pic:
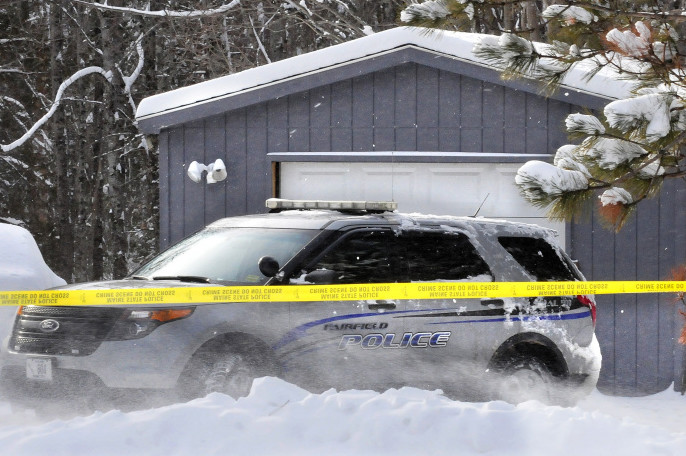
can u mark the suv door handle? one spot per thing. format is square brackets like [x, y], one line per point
[492, 302]
[381, 305]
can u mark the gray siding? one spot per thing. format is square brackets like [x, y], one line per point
[409, 107]
[637, 333]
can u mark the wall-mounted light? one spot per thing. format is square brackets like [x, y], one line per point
[215, 171]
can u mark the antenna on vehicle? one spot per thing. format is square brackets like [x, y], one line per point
[481, 205]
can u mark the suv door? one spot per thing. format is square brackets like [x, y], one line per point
[454, 329]
[346, 343]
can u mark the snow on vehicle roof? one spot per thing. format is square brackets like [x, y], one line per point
[456, 45]
[318, 219]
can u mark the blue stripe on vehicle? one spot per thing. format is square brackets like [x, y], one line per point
[552, 317]
[301, 330]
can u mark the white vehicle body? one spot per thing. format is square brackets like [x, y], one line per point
[452, 344]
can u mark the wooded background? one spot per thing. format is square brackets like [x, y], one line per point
[85, 182]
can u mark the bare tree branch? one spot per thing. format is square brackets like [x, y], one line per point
[163, 13]
[259, 43]
[58, 98]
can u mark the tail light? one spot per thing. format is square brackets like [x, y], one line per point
[589, 302]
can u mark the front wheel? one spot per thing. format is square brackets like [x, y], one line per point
[230, 374]
[225, 366]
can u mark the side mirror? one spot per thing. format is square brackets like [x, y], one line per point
[268, 266]
[321, 277]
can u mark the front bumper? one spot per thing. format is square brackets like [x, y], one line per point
[155, 361]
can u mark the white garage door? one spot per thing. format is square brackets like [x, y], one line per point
[429, 188]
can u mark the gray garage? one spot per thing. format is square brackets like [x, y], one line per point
[418, 119]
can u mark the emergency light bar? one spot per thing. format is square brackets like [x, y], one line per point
[370, 206]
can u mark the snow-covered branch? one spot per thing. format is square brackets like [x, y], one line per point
[164, 13]
[672, 16]
[129, 80]
[259, 42]
[431, 10]
[58, 98]
[14, 71]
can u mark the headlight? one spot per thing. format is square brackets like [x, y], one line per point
[135, 323]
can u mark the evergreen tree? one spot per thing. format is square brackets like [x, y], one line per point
[623, 156]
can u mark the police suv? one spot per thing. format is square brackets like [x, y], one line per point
[507, 348]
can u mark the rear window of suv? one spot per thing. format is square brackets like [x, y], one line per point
[540, 259]
[442, 257]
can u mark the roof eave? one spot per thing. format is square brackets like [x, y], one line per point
[153, 121]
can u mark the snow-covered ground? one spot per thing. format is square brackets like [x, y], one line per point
[279, 418]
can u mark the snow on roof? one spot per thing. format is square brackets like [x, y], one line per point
[456, 45]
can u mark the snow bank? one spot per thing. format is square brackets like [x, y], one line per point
[279, 418]
[21, 268]
[21, 263]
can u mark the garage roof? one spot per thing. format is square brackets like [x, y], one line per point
[446, 50]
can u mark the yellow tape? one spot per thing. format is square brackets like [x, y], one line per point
[308, 293]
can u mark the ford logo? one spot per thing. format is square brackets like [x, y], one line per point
[49, 325]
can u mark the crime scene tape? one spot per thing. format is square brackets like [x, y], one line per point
[310, 293]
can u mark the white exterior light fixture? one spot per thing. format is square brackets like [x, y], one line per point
[215, 171]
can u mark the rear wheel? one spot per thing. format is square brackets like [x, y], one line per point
[525, 378]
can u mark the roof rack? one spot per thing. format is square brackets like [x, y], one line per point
[279, 204]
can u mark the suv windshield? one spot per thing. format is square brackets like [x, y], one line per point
[227, 254]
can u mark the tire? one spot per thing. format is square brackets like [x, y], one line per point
[526, 378]
[227, 367]
[230, 374]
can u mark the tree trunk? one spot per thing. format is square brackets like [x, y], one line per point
[61, 151]
[508, 17]
[113, 124]
[530, 20]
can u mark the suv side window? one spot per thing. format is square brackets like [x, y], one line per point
[540, 259]
[359, 257]
[441, 256]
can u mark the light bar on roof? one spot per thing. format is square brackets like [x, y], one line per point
[278, 203]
